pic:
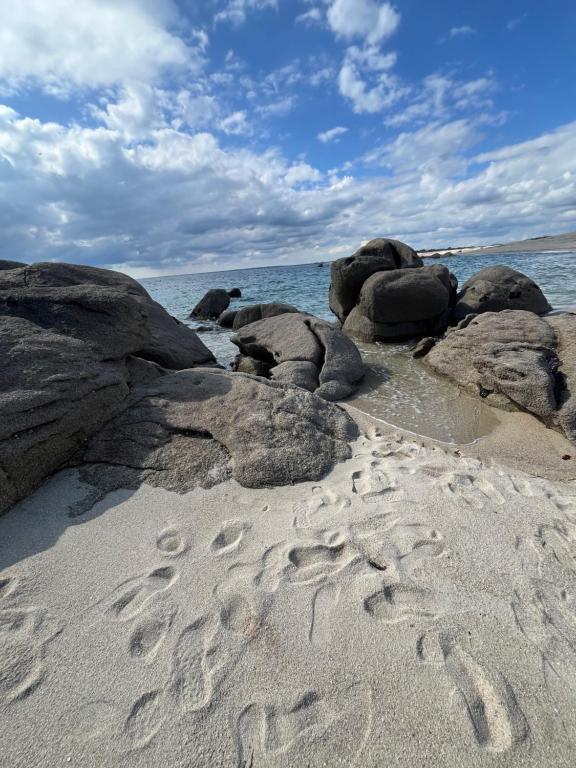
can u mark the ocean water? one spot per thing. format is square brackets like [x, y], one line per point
[397, 389]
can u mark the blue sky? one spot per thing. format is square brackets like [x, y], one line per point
[172, 136]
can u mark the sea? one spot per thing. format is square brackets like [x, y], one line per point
[397, 389]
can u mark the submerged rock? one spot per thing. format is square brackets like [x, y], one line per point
[211, 305]
[348, 275]
[295, 338]
[235, 293]
[402, 303]
[497, 288]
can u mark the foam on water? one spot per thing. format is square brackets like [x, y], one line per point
[397, 388]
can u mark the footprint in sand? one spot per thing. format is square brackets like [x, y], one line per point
[230, 536]
[498, 723]
[191, 675]
[324, 507]
[399, 602]
[324, 604]
[132, 597]
[149, 634]
[146, 717]
[476, 491]
[24, 636]
[373, 484]
[7, 586]
[274, 736]
[171, 543]
[313, 562]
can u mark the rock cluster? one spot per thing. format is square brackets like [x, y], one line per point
[94, 370]
[301, 350]
[384, 293]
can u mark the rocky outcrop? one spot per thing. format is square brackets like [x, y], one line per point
[235, 293]
[80, 380]
[402, 303]
[515, 360]
[497, 288]
[211, 305]
[259, 432]
[349, 275]
[226, 319]
[255, 312]
[5, 264]
[109, 310]
[334, 363]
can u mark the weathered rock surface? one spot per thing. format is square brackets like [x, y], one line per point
[349, 275]
[226, 319]
[56, 391]
[402, 303]
[296, 337]
[497, 288]
[107, 309]
[255, 312]
[272, 435]
[296, 373]
[516, 360]
[211, 305]
[6, 264]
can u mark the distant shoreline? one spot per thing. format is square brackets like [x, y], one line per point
[565, 243]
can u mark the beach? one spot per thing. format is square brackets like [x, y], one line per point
[414, 607]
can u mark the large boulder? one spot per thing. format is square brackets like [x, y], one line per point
[348, 275]
[56, 391]
[211, 305]
[109, 310]
[494, 289]
[261, 433]
[515, 360]
[255, 312]
[235, 293]
[5, 264]
[402, 303]
[226, 319]
[297, 337]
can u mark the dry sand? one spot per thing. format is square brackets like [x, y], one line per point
[415, 608]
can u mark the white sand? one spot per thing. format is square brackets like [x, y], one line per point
[415, 608]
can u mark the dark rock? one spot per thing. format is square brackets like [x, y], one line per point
[245, 364]
[255, 312]
[497, 288]
[235, 293]
[55, 392]
[226, 319]
[423, 347]
[107, 309]
[296, 337]
[6, 264]
[564, 326]
[401, 303]
[272, 435]
[349, 275]
[508, 357]
[211, 305]
[202, 328]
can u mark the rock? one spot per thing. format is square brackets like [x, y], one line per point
[508, 357]
[497, 288]
[297, 373]
[564, 326]
[211, 305]
[297, 337]
[245, 364]
[255, 312]
[402, 303]
[349, 275]
[226, 319]
[235, 293]
[202, 328]
[55, 392]
[423, 347]
[5, 264]
[272, 435]
[107, 309]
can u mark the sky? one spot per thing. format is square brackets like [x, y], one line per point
[177, 136]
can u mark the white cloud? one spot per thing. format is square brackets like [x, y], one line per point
[365, 19]
[464, 31]
[235, 11]
[236, 124]
[333, 134]
[313, 16]
[64, 44]
[368, 92]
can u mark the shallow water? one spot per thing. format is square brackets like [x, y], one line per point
[397, 389]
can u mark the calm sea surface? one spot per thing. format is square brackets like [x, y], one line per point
[397, 389]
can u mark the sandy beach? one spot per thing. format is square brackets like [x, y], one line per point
[415, 607]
